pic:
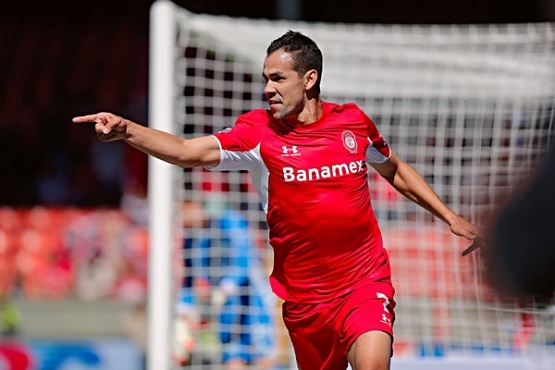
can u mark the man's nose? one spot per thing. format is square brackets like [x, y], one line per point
[269, 89]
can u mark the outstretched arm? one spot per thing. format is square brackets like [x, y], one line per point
[412, 185]
[202, 151]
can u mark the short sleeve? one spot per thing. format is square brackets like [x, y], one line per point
[378, 151]
[239, 145]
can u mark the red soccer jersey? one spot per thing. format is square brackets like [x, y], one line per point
[313, 184]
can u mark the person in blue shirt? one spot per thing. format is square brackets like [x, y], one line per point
[223, 268]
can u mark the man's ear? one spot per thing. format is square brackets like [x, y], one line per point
[311, 76]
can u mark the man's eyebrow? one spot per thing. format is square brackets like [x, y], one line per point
[273, 74]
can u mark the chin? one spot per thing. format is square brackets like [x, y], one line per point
[276, 114]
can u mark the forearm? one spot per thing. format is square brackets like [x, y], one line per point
[153, 142]
[409, 183]
[171, 148]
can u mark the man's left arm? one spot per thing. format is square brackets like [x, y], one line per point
[407, 181]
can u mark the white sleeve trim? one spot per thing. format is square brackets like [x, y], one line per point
[251, 161]
[373, 155]
[235, 160]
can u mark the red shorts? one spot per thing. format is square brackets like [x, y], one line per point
[322, 333]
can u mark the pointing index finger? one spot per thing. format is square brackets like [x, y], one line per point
[87, 118]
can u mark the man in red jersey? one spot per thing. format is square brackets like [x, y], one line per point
[308, 160]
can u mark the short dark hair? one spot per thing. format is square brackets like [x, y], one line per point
[306, 54]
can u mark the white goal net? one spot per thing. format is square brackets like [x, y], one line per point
[471, 107]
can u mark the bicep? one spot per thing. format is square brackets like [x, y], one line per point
[201, 151]
[387, 169]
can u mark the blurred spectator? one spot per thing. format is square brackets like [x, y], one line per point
[97, 253]
[10, 317]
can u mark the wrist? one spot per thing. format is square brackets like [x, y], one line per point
[128, 130]
[451, 218]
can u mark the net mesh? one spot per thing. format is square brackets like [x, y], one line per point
[469, 106]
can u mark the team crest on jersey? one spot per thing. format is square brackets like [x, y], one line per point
[349, 141]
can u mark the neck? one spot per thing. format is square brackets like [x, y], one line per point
[312, 112]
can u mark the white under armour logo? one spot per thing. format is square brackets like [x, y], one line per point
[290, 150]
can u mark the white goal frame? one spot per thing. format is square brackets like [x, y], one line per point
[161, 189]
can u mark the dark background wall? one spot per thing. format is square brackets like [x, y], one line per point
[392, 11]
[62, 58]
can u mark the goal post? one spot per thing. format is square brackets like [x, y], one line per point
[471, 107]
[162, 190]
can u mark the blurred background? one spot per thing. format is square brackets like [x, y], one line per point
[64, 58]
[73, 237]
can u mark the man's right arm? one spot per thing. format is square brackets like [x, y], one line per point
[201, 151]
